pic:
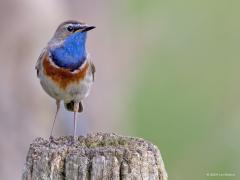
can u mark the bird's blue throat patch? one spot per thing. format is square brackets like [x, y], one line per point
[72, 53]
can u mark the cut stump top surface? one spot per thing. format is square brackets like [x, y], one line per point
[94, 156]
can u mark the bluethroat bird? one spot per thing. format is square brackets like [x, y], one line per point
[64, 67]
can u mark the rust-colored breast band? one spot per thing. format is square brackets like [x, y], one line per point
[63, 77]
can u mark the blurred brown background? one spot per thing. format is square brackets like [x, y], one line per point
[26, 110]
[167, 71]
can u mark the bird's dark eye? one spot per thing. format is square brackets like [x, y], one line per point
[70, 28]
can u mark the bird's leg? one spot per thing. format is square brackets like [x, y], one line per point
[55, 117]
[75, 110]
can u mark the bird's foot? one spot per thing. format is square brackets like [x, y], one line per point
[51, 140]
[73, 141]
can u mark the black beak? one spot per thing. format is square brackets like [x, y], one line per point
[88, 28]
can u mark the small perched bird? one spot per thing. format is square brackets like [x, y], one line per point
[64, 67]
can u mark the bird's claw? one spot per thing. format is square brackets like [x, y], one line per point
[51, 140]
[73, 141]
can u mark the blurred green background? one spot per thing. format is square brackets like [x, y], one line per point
[167, 71]
[187, 92]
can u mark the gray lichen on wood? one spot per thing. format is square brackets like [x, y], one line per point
[96, 156]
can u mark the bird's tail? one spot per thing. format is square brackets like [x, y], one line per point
[70, 106]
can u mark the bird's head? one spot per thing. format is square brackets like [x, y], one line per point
[69, 28]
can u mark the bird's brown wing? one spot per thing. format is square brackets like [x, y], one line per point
[39, 61]
[92, 68]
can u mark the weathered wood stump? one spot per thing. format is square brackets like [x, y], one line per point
[96, 156]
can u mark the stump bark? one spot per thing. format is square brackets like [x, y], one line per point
[96, 156]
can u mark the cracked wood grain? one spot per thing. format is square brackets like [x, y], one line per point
[96, 156]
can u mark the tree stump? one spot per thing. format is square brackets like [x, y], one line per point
[97, 156]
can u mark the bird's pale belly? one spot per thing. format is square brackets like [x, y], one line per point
[76, 91]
